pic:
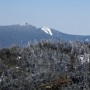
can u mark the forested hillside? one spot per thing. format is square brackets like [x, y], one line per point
[46, 66]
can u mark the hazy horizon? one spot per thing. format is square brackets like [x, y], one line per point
[72, 17]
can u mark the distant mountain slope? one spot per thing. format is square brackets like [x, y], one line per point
[16, 34]
[22, 34]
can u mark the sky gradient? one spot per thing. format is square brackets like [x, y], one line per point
[68, 16]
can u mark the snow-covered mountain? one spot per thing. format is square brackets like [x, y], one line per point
[24, 33]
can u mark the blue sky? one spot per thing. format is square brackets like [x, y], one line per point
[69, 16]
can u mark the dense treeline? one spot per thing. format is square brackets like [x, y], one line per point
[46, 66]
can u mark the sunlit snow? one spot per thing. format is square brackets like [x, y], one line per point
[47, 30]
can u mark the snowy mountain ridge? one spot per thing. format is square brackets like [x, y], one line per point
[22, 34]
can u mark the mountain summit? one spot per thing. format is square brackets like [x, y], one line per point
[24, 24]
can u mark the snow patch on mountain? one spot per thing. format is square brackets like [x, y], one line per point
[47, 30]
